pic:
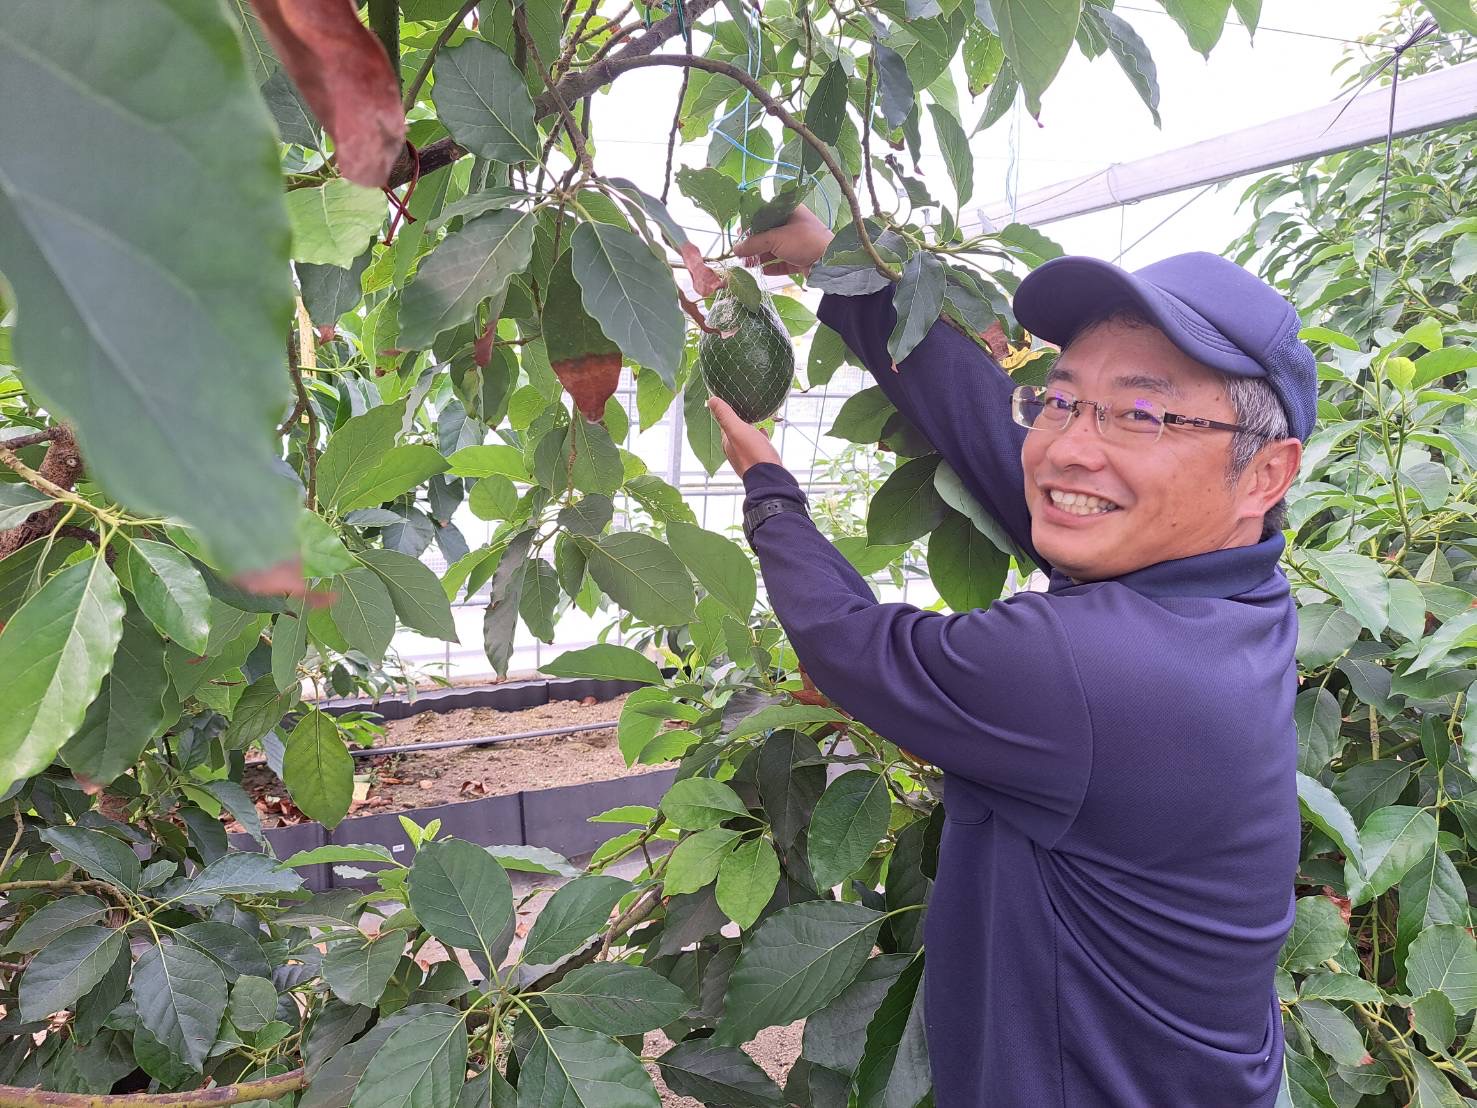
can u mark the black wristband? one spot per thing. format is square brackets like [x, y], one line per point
[766, 508]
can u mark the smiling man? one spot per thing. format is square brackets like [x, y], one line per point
[1115, 877]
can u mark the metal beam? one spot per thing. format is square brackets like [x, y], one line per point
[1425, 102]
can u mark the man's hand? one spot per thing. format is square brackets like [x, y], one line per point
[744, 443]
[792, 247]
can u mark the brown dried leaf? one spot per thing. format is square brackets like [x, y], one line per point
[705, 279]
[343, 72]
[590, 379]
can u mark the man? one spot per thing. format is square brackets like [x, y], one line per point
[1115, 878]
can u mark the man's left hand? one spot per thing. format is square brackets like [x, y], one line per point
[744, 443]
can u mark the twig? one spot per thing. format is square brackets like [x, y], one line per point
[384, 21]
[20, 830]
[672, 135]
[613, 41]
[615, 66]
[640, 908]
[82, 884]
[576, 136]
[20, 442]
[413, 89]
[268, 1088]
[692, 309]
[867, 143]
[51, 488]
[310, 443]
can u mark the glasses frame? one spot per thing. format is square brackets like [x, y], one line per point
[1022, 393]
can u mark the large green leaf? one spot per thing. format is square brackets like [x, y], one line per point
[539, 598]
[919, 299]
[1432, 1086]
[1393, 839]
[67, 968]
[1325, 631]
[54, 654]
[50, 920]
[415, 592]
[318, 769]
[796, 962]
[849, 820]
[500, 620]
[966, 567]
[907, 505]
[631, 294]
[570, 1067]
[421, 1065]
[467, 267]
[1316, 716]
[332, 224]
[1357, 581]
[790, 781]
[605, 660]
[162, 347]
[357, 970]
[240, 874]
[180, 995]
[719, 564]
[718, 1075]
[1202, 20]
[836, 1035]
[616, 999]
[101, 855]
[574, 913]
[484, 103]
[957, 158]
[698, 803]
[863, 416]
[1322, 808]
[170, 591]
[355, 449]
[1037, 35]
[894, 1066]
[1318, 933]
[363, 612]
[747, 878]
[643, 576]
[1431, 892]
[695, 860]
[401, 469]
[1131, 52]
[18, 503]
[1444, 957]
[461, 895]
[130, 708]
[1303, 1084]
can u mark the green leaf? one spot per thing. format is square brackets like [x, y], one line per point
[421, 1065]
[714, 192]
[894, 85]
[130, 708]
[784, 715]
[1037, 35]
[329, 290]
[401, 469]
[1318, 933]
[1333, 1031]
[1303, 1084]
[467, 267]
[643, 576]
[539, 597]
[489, 461]
[482, 100]
[718, 1075]
[1316, 715]
[332, 224]
[796, 962]
[253, 1003]
[18, 503]
[1325, 632]
[1393, 839]
[1439, 363]
[1340, 986]
[318, 769]
[355, 449]
[289, 645]
[1432, 1086]
[957, 158]
[1132, 54]
[101, 855]
[574, 913]
[357, 970]
[1002, 95]
[919, 300]
[605, 660]
[1453, 15]
[241, 874]
[594, 460]
[1444, 957]
[698, 803]
[414, 591]
[894, 1066]
[827, 352]
[616, 999]
[54, 653]
[863, 416]
[1201, 20]
[180, 995]
[907, 505]
[259, 709]
[965, 566]
[324, 553]
[461, 895]
[570, 1067]
[358, 852]
[790, 782]
[363, 612]
[695, 860]
[836, 1035]
[67, 968]
[719, 564]
[51, 920]
[747, 879]
[1433, 1016]
[630, 293]
[1320, 807]
[1357, 581]
[849, 820]
[122, 320]
[1431, 892]
[532, 859]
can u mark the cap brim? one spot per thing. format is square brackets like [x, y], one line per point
[1054, 299]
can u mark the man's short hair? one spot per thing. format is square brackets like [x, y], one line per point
[1257, 407]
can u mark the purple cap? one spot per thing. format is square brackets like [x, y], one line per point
[1212, 309]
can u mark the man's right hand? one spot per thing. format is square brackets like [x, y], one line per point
[794, 246]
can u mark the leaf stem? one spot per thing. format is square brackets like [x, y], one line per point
[413, 89]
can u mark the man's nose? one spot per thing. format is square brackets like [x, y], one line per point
[1080, 443]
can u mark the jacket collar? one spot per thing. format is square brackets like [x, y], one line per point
[1218, 573]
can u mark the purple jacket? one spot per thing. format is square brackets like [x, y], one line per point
[1116, 872]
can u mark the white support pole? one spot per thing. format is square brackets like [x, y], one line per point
[1422, 103]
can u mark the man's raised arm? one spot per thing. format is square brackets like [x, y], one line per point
[950, 388]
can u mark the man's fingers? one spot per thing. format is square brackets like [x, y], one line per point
[779, 269]
[754, 244]
[727, 418]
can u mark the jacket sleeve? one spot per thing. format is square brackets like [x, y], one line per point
[993, 696]
[953, 392]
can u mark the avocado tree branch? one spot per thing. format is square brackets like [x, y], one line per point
[268, 1088]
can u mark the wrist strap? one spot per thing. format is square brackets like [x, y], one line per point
[764, 510]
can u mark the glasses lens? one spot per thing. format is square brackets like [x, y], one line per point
[1138, 417]
[1041, 408]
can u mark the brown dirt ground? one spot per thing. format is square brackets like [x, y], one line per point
[775, 1049]
[401, 782]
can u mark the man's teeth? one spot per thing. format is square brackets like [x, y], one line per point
[1080, 504]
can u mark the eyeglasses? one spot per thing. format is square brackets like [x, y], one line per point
[1045, 408]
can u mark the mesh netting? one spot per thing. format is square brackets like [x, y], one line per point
[750, 363]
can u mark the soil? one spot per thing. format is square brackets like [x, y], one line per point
[774, 1048]
[402, 782]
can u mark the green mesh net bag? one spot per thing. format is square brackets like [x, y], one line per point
[749, 362]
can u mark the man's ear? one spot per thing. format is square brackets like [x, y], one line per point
[1269, 476]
